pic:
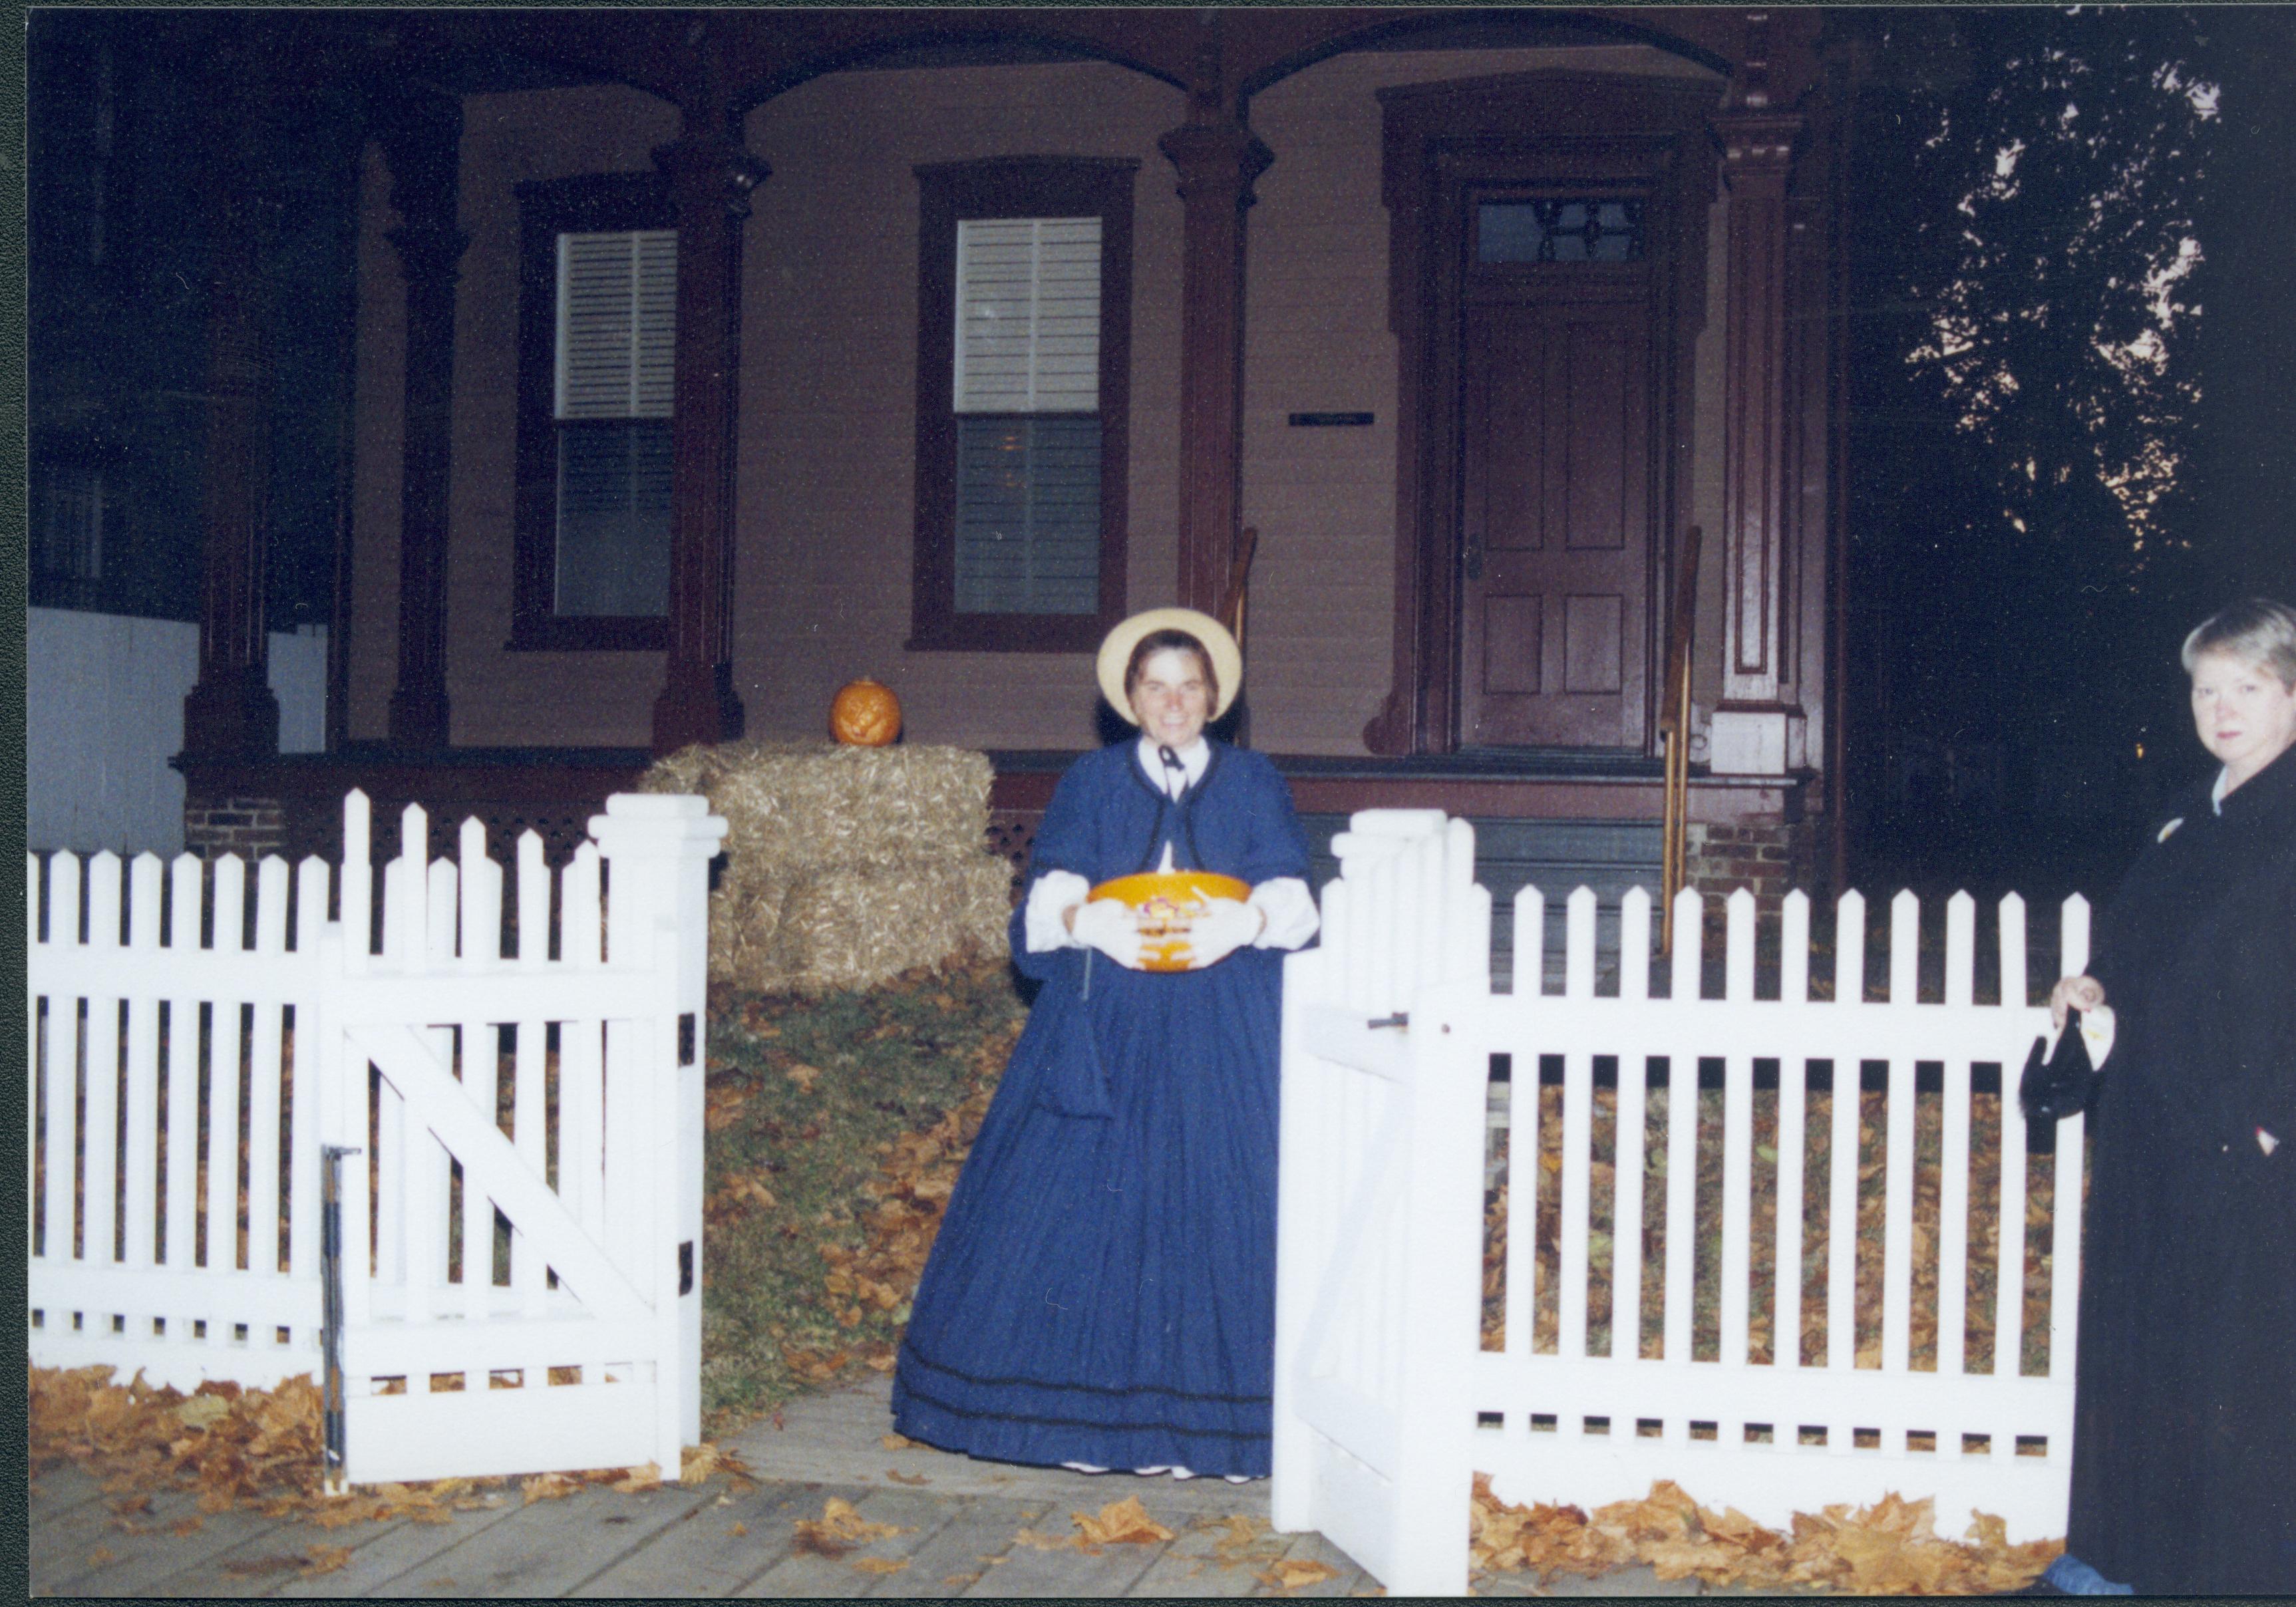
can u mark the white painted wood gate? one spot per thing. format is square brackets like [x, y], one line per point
[522, 1218]
[1386, 1401]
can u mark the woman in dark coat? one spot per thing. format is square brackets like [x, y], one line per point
[2184, 1469]
[1102, 1293]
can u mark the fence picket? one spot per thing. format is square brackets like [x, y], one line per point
[183, 1085]
[481, 951]
[1529, 978]
[140, 1198]
[101, 1189]
[1630, 1159]
[357, 885]
[1737, 1137]
[1682, 1144]
[264, 1077]
[60, 1050]
[303, 1116]
[1898, 1163]
[2009, 1285]
[224, 1040]
[1794, 1139]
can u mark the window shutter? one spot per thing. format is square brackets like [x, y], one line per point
[1028, 315]
[617, 324]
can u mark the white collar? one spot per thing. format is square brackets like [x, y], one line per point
[1195, 760]
[2216, 793]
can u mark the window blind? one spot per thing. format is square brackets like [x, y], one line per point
[616, 323]
[1028, 315]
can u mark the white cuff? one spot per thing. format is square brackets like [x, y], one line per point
[1054, 894]
[1291, 911]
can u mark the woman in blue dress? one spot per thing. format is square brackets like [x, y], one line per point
[1101, 1294]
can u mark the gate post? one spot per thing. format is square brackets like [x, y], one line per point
[658, 848]
[1442, 1289]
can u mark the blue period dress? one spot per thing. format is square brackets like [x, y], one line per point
[1103, 1288]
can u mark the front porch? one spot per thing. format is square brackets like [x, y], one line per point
[1553, 820]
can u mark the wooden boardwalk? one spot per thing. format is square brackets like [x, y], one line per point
[959, 1521]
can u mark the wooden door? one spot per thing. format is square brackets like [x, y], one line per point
[1555, 529]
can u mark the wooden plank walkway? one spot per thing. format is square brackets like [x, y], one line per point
[958, 1519]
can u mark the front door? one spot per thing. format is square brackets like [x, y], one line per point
[1555, 531]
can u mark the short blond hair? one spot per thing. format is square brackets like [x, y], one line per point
[2255, 630]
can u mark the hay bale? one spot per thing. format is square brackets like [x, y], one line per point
[799, 805]
[858, 927]
[844, 865]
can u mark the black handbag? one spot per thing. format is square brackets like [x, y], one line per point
[2057, 1086]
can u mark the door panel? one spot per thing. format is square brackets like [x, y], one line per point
[1554, 523]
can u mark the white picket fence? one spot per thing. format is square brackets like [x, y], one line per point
[1387, 1403]
[516, 1300]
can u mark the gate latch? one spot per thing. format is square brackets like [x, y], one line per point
[1402, 1017]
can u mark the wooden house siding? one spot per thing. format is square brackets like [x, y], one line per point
[828, 389]
[825, 437]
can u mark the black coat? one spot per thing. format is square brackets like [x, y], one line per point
[2184, 1473]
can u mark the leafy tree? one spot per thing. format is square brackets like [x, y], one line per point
[2023, 255]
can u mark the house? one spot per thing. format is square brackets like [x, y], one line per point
[706, 360]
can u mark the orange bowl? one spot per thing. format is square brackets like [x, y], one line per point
[1169, 902]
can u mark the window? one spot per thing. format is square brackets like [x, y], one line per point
[1023, 348]
[74, 515]
[597, 339]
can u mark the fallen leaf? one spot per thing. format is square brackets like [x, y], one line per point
[898, 1477]
[894, 1442]
[100, 1555]
[737, 1531]
[547, 1487]
[878, 1564]
[202, 1410]
[326, 1559]
[1292, 1574]
[839, 1530]
[256, 1568]
[639, 1481]
[186, 1526]
[803, 1076]
[1124, 1522]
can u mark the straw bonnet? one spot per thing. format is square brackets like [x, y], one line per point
[1116, 653]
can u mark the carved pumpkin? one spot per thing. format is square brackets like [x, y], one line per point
[865, 715]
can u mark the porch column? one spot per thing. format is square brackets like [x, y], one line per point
[1755, 724]
[1218, 158]
[711, 176]
[420, 134]
[230, 712]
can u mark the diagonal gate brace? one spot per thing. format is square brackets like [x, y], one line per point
[493, 1167]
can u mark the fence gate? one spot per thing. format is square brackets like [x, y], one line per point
[522, 1218]
[1588, 1381]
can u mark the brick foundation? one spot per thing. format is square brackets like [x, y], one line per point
[1769, 859]
[249, 827]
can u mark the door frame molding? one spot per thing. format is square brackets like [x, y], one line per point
[1590, 119]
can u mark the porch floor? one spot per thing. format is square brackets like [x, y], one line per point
[959, 1521]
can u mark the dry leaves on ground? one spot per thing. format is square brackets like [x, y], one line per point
[840, 1530]
[1890, 1548]
[261, 1449]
